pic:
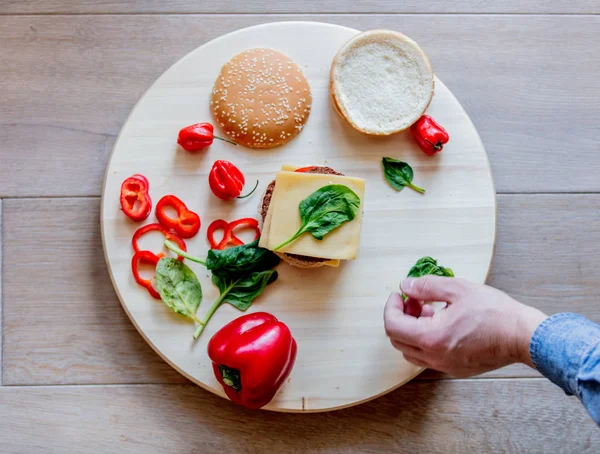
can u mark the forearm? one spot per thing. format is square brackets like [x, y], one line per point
[565, 348]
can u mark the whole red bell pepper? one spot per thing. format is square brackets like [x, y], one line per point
[430, 136]
[252, 357]
[135, 198]
[186, 224]
[197, 136]
[226, 181]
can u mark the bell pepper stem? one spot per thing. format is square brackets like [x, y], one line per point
[226, 140]
[414, 187]
[250, 193]
[173, 247]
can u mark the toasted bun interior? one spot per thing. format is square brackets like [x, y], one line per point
[261, 98]
[381, 82]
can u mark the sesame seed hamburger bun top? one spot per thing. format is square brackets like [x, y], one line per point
[261, 98]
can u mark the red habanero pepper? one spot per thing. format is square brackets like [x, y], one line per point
[168, 235]
[144, 257]
[135, 198]
[187, 223]
[197, 136]
[252, 357]
[430, 136]
[226, 181]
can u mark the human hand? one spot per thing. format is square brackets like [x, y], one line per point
[481, 328]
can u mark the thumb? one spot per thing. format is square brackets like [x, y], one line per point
[432, 288]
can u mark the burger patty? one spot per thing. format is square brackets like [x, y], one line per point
[269, 195]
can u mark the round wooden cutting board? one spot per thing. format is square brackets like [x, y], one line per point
[335, 314]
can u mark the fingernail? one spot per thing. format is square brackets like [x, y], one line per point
[407, 284]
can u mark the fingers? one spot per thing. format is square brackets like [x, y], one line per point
[407, 349]
[427, 311]
[400, 326]
[416, 361]
[432, 288]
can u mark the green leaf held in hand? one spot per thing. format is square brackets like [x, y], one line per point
[428, 265]
[399, 174]
[239, 291]
[178, 287]
[325, 210]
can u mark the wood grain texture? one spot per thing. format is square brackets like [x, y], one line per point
[1, 297]
[74, 331]
[532, 416]
[295, 6]
[63, 323]
[528, 82]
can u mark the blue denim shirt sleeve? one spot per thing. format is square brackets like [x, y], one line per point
[565, 348]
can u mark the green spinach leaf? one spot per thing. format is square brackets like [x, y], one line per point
[325, 210]
[178, 287]
[241, 273]
[428, 265]
[240, 260]
[399, 174]
[239, 291]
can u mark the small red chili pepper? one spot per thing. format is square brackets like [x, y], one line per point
[198, 136]
[144, 257]
[187, 223]
[168, 235]
[226, 181]
[135, 198]
[252, 357]
[430, 136]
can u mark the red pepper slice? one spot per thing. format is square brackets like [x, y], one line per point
[229, 238]
[135, 198]
[144, 257]
[246, 223]
[187, 223]
[252, 357]
[168, 235]
[304, 169]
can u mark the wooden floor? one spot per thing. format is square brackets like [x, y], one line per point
[77, 378]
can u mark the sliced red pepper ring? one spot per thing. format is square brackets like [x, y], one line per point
[187, 223]
[229, 237]
[144, 257]
[135, 199]
[168, 235]
[220, 224]
[250, 223]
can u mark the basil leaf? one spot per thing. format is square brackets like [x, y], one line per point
[325, 210]
[428, 265]
[239, 260]
[242, 291]
[178, 287]
[399, 174]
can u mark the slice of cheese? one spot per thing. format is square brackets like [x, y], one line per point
[293, 187]
[264, 238]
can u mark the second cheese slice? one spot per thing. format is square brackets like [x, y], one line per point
[293, 187]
